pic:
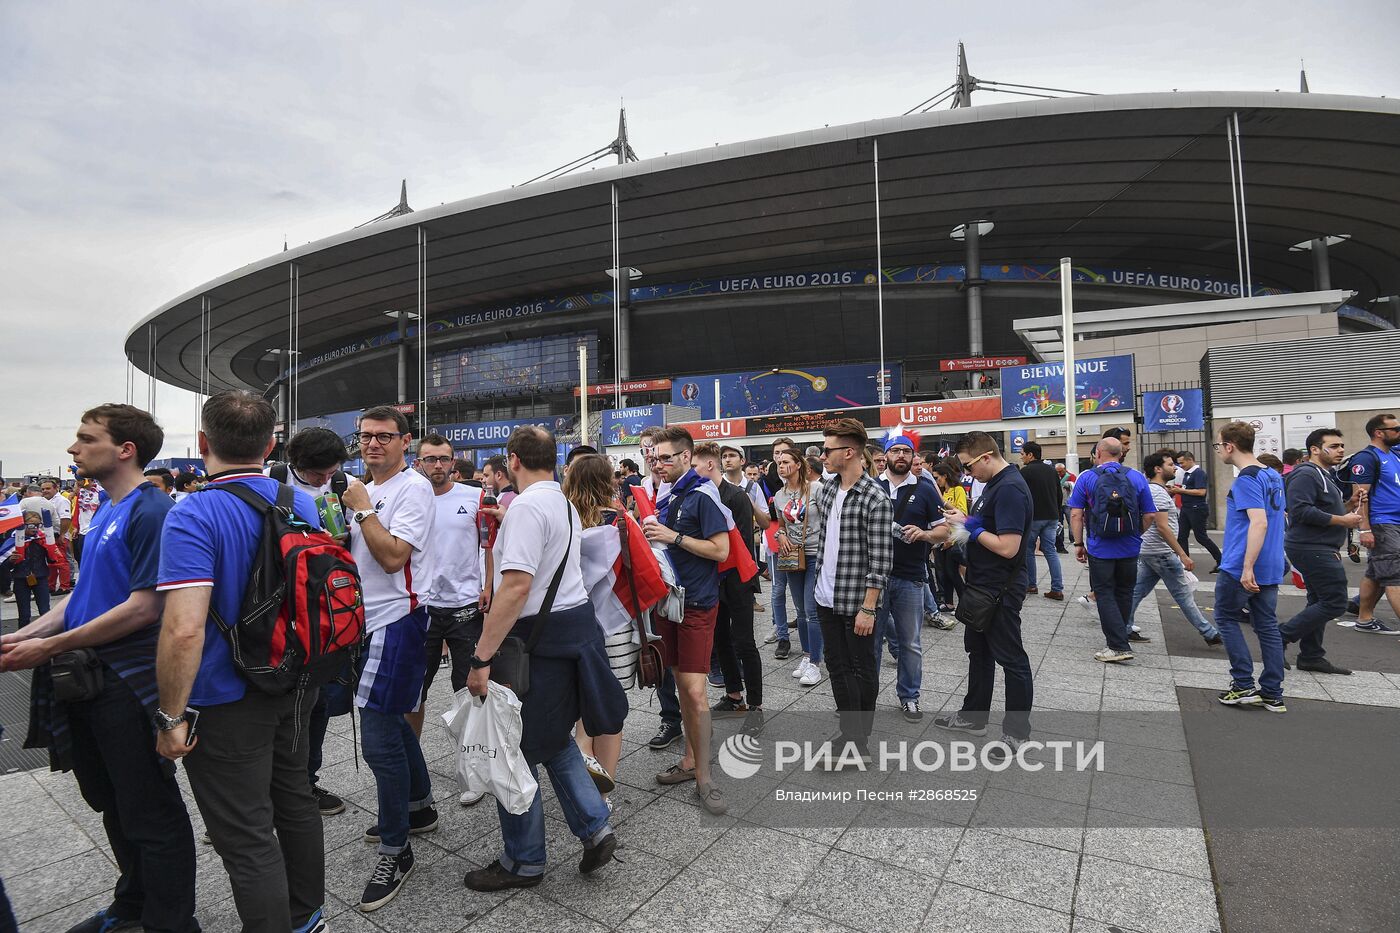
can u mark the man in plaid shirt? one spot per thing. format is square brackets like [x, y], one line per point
[852, 567]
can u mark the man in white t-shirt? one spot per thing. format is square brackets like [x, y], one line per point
[539, 592]
[454, 584]
[393, 518]
[61, 570]
[31, 501]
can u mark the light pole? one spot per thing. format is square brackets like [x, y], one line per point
[1067, 335]
[403, 317]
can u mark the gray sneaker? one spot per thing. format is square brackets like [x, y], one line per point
[711, 799]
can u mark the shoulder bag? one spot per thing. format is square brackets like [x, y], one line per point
[979, 604]
[650, 664]
[793, 563]
[510, 666]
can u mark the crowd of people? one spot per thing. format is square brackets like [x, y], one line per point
[872, 542]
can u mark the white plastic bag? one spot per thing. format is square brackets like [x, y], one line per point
[487, 730]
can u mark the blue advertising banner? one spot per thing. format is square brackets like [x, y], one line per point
[1101, 384]
[783, 391]
[1174, 410]
[624, 426]
[496, 433]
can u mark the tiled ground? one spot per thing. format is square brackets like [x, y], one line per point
[684, 870]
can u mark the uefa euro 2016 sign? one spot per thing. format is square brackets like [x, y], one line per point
[1101, 384]
[1173, 410]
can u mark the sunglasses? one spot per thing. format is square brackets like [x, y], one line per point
[828, 451]
[967, 465]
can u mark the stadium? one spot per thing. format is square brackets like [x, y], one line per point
[740, 281]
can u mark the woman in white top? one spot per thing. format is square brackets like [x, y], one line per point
[800, 533]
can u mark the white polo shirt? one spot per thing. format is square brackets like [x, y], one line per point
[533, 539]
[404, 506]
[456, 549]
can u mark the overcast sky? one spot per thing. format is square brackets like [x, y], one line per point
[148, 148]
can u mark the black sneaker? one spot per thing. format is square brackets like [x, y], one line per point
[103, 922]
[1006, 748]
[1323, 666]
[911, 711]
[728, 706]
[1137, 636]
[419, 822]
[753, 721]
[494, 877]
[387, 880]
[1215, 641]
[716, 678]
[665, 737]
[596, 857]
[784, 649]
[329, 804]
[1241, 696]
[1354, 606]
[954, 722]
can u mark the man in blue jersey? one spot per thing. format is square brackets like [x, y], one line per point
[247, 763]
[1251, 568]
[106, 737]
[1375, 483]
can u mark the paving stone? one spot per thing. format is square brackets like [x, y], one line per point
[1145, 899]
[1124, 838]
[672, 830]
[1170, 804]
[959, 909]
[41, 845]
[864, 893]
[762, 860]
[1024, 871]
[56, 886]
[528, 912]
[693, 900]
[884, 835]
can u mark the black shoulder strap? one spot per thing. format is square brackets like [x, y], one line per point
[545, 607]
[286, 498]
[280, 471]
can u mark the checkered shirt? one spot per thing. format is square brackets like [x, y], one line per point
[865, 546]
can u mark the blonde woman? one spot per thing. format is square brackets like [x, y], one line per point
[799, 535]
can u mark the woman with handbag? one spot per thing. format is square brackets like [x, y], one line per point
[799, 534]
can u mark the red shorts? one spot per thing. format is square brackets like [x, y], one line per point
[685, 647]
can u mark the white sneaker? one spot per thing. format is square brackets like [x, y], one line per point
[1087, 605]
[802, 666]
[470, 799]
[1111, 656]
[813, 675]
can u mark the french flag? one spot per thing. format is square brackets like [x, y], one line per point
[605, 573]
[10, 520]
[740, 551]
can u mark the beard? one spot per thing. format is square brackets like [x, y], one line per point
[897, 469]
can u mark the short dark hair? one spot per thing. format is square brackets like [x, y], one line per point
[238, 426]
[436, 440]
[1117, 433]
[167, 479]
[1316, 437]
[848, 429]
[315, 449]
[977, 443]
[1185, 455]
[1151, 462]
[582, 450]
[497, 464]
[627, 463]
[1239, 434]
[1032, 448]
[185, 480]
[1374, 424]
[534, 446]
[464, 467]
[677, 435]
[387, 413]
[1291, 456]
[129, 424]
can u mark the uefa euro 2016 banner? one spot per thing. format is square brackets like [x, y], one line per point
[781, 391]
[1173, 410]
[1101, 384]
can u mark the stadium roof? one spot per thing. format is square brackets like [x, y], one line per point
[1137, 181]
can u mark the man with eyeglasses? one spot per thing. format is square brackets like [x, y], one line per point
[997, 529]
[393, 517]
[454, 583]
[853, 568]
[1375, 484]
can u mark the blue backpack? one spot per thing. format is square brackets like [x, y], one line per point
[1115, 511]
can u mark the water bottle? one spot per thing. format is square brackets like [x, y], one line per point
[332, 514]
[485, 523]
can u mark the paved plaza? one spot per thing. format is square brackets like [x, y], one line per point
[1121, 855]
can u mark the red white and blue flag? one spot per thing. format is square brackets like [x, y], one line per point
[740, 551]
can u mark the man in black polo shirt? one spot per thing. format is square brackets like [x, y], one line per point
[999, 525]
[1044, 484]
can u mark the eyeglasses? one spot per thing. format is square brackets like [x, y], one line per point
[828, 451]
[1217, 445]
[666, 458]
[383, 437]
[433, 460]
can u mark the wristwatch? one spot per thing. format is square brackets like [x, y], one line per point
[476, 662]
[166, 723]
[359, 515]
[679, 538]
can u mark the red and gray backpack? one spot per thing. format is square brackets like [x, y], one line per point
[302, 618]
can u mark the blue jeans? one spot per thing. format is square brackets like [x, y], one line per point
[1231, 598]
[584, 810]
[803, 586]
[1169, 569]
[1326, 581]
[400, 774]
[900, 616]
[777, 598]
[1044, 532]
[1112, 580]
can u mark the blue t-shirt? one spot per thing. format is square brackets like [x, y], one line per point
[1381, 471]
[1196, 479]
[696, 516]
[210, 540]
[1255, 488]
[1083, 497]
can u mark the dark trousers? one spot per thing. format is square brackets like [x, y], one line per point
[457, 628]
[7, 916]
[121, 777]
[249, 781]
[669, 702]
[334, 699]
[1113, 579]
[852, 665]
[1326, 582]
[1193, 522]
[1000, 645]
[738, 654]
[947, 563]
[39, 592]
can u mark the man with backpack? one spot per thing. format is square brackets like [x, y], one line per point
[393, 523]
[1375, 481]
[246, 760]
[1110, 508]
